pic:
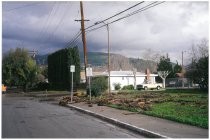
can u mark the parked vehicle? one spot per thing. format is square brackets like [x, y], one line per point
[149, 86]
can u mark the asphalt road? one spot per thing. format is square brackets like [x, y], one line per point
[24, 117]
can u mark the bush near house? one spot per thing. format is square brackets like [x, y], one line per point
[117, 86]
[128, 87]
[98, 86]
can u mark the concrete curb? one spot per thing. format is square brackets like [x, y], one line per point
[46, 95]
[124, 125]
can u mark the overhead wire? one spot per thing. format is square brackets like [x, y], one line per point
[108, 19]
[23, 6]
[135, 12]
[46, 32]
[44, 27]
[60, 22]
[115, 14]
[128, 15]
[76, 36]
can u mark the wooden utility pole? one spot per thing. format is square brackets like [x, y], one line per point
[182, 70]
[83, 38]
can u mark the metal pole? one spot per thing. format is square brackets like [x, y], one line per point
[109, 89]
[108, 60]
[107, 27]
[71, 87]
[109, 57]
[182, 70]
[89, 87]
[134, 73]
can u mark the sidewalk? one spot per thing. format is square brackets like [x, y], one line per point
[143, 122]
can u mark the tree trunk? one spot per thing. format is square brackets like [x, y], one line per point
[164, 82]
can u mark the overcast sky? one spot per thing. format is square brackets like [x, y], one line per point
[171, 27]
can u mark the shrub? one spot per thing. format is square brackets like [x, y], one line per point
[42, 86]
[117, 86]
[128, 87]
[98, 86]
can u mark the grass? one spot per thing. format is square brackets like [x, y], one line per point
[189, 114]
[179, 91]
[185, 106]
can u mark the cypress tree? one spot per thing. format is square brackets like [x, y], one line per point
[59, 64]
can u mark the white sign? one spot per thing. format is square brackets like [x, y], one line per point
[89, 72]
[72, 68]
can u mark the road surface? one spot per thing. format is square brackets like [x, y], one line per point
[25, 117]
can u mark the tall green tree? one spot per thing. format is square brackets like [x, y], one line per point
[18, 69]
[165, 65]
[177, 68]
[59, 64]
[198, 70]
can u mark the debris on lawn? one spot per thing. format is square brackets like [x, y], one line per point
[63, 102]
[66, 99]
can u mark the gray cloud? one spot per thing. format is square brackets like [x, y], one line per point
[47, 26]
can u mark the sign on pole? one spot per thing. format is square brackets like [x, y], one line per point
[72, 68]
[89, 72]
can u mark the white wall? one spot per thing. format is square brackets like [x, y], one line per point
[127, 80]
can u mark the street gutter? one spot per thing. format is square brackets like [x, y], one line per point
[124, 125]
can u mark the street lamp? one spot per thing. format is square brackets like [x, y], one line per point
[107, 27]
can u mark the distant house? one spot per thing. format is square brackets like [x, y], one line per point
[95, 74]
[124, 78]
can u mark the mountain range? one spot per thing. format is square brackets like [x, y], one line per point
[98, 61]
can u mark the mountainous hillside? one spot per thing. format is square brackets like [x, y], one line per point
[99, 61]
[118, 62]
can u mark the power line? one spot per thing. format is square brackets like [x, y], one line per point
[128, 15]
[24, 6]
[49, 19]
[43, 28]
[122, 12]
[133, 13]
[75, 40]
[60, 22]
[116, 14]
[76, 36]
[137, 11]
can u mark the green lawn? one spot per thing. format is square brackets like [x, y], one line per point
[188, 113]
[189, 107]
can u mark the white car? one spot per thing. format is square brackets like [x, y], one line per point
[150, 86]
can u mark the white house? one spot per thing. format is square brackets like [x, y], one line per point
[125, 78]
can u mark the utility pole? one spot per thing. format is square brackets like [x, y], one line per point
[83, 38]
[109, 88]
[182, 58]
[134, 73]
[107, 27]
[33, 53]
[182, 70]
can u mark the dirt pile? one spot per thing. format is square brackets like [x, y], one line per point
[65, 100]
